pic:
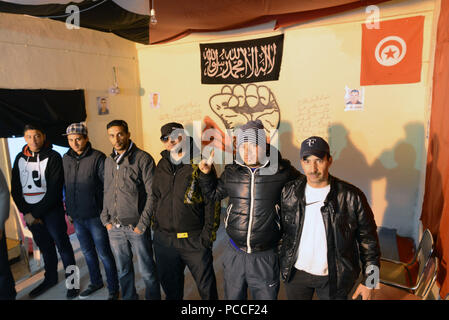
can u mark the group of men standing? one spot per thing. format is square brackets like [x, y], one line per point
[311, 230]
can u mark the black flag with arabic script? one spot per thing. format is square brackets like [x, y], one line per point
[245, 61]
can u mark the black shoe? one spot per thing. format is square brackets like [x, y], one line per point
[90, 289]
[40, 289]
[72, 293]
[113, 295]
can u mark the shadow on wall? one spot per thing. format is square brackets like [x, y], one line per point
[397, 165]
[349, 163]
[287, 145]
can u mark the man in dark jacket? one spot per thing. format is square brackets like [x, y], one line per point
[84, 176]
[253, 184]
[7, 285]
[329, 229]
[128, 177]
[185, 222]
[36, 187]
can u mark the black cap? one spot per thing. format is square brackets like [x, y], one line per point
[168, 128]
[315, 146]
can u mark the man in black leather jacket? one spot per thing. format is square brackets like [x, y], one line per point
[252, 217]
[329, 229]
[184, 222]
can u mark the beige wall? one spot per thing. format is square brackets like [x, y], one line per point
[42, 53]
[381, 149]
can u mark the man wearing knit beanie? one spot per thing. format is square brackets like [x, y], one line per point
[251, 143]
[252, 219]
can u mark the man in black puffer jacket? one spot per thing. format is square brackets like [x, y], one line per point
[184, 221]
[253, 184]
[329, 229]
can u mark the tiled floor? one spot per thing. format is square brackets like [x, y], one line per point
[58, 292]
[25, 285]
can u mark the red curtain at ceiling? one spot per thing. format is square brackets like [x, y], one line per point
[178, 19]
[435, 211]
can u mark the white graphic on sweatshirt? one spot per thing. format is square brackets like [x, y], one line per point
[32, 178]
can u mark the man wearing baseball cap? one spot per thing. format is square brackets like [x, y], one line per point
[329, 229]
[184, 221]
[84, 177]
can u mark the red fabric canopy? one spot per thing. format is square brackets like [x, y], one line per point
[435, 211]
[177, 19]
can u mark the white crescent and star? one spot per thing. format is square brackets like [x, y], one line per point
[390, 51]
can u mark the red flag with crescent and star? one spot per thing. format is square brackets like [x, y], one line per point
[392, 54]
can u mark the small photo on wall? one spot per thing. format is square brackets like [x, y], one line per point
[354, 98]
[154, 100]
[102, 105]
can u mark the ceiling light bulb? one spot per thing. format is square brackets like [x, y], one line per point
[153, 19]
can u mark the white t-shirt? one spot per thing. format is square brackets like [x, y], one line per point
[312, 251]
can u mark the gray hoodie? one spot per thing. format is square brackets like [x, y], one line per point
[4, 201]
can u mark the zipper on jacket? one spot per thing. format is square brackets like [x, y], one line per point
[115, 191]
[251, 210]
[332, 222]
[76, 182]
[251, 207]
[228, 212]
[299, 221]
[173, 199]
[276, 207]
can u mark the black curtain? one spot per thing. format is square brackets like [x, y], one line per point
[53, 110]
[106, 16]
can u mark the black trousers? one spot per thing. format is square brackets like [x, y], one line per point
[173, 255]
[303, 285]
[50, 235]
[7, 285]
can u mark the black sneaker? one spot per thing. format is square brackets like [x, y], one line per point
[90, 289]
[40, 289]
[72, 293]
[113, 295]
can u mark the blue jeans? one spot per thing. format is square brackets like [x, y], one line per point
[53, 231]
[123, 242]
[93, 238]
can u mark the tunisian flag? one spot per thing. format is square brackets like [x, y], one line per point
[392, 54]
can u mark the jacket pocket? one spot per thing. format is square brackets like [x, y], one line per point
[129, 180]
[228, 212]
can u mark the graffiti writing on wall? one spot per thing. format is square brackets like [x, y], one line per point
[313, 117]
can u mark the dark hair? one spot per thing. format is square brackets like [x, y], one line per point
[33, 127]
[118, 123]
